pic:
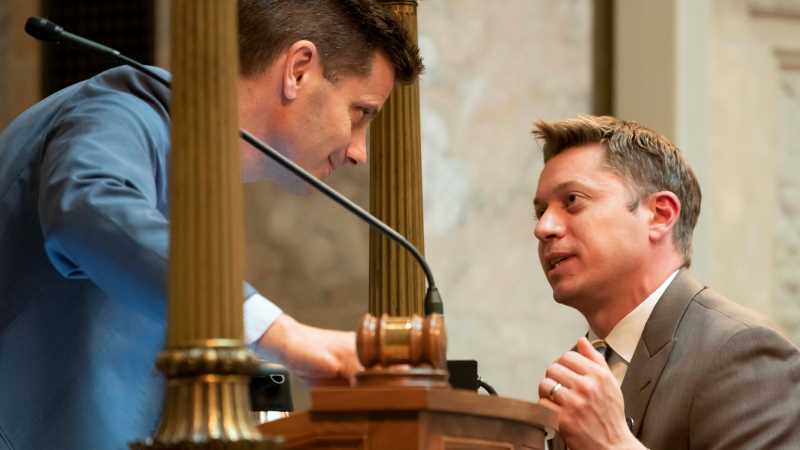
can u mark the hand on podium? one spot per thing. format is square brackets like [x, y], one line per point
[580, 387]
[317, 355]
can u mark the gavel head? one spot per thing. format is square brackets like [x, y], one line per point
[413, 346]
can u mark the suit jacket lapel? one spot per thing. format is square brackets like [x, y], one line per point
[654, 347]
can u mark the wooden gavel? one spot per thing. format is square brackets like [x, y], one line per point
[403, 351]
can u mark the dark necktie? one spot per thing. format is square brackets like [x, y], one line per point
[602, 347]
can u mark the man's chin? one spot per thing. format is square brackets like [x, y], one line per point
[290, 182]
[565, 295]
[297, 187]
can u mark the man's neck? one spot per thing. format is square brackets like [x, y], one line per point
[257, 115]
[625, 299]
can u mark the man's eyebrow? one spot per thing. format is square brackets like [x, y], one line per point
[571, 184]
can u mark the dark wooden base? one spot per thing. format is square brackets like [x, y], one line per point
[368, 418]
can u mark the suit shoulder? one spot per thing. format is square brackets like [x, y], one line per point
[731, 318]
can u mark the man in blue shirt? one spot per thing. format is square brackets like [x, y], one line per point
[84, 218]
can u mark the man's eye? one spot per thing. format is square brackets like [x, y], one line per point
[363, 114]
[572, 199]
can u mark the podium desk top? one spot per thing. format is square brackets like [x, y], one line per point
[457, 401]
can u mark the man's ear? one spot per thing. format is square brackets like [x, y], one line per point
[302, 63]
[664, 208]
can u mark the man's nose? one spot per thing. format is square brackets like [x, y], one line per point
[549, 226]
[357, 151]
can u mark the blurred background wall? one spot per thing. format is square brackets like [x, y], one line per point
[719, 77]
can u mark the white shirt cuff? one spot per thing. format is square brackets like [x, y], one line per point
[259, 313]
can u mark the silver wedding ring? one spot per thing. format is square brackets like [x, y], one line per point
[553, 391]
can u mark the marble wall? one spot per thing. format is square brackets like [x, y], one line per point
[492, 72]
[754, 163]
[785, 291]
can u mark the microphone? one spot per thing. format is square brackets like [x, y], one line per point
[45, 30]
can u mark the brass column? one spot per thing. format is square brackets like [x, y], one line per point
[396, 283]
[207, 365]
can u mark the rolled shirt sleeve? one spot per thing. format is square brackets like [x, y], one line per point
[259, 313]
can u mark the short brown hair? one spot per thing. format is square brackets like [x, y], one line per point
[646, 160]
[346, 32]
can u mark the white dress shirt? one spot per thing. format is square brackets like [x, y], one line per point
[624, 337]
[259, 313]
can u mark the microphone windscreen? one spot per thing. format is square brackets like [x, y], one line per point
[43, 29]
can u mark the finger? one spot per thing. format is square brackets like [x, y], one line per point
[586, 349]
[576, 362]
[353, 371]
[545, 386]
[560, 395]
[553, 391]
[548, 386]
[349, 366]
[562, 374]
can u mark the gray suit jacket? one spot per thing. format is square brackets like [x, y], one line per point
[710, 374]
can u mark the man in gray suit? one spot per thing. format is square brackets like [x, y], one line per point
[84, 218]
[672, 364]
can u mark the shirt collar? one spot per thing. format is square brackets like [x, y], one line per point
[625, 335]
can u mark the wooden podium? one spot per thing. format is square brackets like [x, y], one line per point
[413, 418]
[403, 401]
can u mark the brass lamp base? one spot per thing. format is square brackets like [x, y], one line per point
[207, 402]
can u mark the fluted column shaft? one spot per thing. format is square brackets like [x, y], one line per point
[206, 404]
[206, 238]
[396, 281]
